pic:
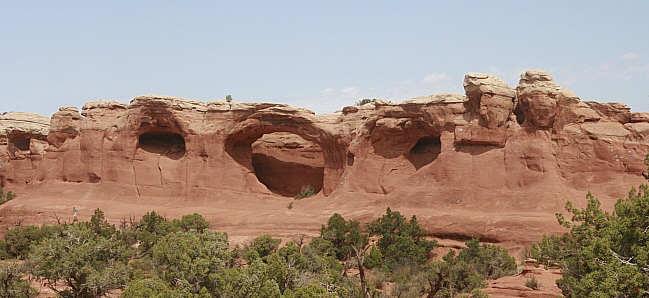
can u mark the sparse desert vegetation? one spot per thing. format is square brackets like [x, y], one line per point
[158, 257]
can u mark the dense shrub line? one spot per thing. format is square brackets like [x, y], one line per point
[157, 257]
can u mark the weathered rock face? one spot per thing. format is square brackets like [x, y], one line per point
[23, 140]
[497, 148]
[168, 146]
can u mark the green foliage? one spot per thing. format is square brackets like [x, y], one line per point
[455, 274]
[6, 197]
[148, 231]
[305, 192]
[401, 241]
[263, 246]
[90, 265]
[550, 250]
[253, 281]
[228, 98]
[405, 251]
[5, 250]
[374, 258]
[155, 257]
[194, 222]
[491, 261]
[604, 254]
[312, 291]
[191, 257]
[100, 225]
[12, 283]
[452, 276]
[346, 241]
[150, 287]
[365, 101]
[20, 239]
[334, 235]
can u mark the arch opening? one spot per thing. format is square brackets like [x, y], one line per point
[285, 162]
[168, 144]
[425, 151]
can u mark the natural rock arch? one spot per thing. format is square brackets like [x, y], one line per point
[286, 163]
[239, 141]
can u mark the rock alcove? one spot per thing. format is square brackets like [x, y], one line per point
[18, 146]
[286, 162]
[425, 151]
[164, 143]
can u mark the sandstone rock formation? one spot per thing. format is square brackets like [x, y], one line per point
[458, 158]
[23, 140]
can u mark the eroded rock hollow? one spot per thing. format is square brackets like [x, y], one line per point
[496, 147]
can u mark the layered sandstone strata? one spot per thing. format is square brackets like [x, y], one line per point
[494, 140]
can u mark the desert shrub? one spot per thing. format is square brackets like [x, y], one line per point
[405, 251]
[12, 283]
[260, 247]
[451, 276]
[88, 264]
[491, 261]
[6, 197]
[253, 281]
[150, 287]
[374, 258]
[5, 250]
[604, 254]
[551, 250]
[147, 231]
[377, 279]
[20, 239]
[365, 101]
[194, 222]
[191, 257]
[532, 283]
[312, 291]
[334, 236]
[401, 241]
[100, 225]
[409, 280]
[305, 192]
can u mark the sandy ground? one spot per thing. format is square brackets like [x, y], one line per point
[244, 216]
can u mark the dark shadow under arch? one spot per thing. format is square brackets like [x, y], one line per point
[425, 151]
[239, 142]
[164, 143]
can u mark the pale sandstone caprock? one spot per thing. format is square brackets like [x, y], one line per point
[496, 163]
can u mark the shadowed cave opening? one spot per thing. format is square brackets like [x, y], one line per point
[20, 143]
[165, 143]
[520, 116]
[425, 151]
[286, 162]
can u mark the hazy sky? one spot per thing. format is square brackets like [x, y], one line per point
[321, 55]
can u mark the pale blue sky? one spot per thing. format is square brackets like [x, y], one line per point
[321, 55]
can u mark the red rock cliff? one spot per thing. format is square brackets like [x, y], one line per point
[500, 148]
